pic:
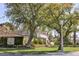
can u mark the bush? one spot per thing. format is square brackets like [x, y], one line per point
[37, 41]
[56, 41]
[40, 41]
[66, 42]
[34, 41]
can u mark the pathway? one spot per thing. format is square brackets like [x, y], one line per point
[48, 54]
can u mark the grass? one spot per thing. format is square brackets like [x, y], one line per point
[35, 50]
[71, 49]
[38, 50]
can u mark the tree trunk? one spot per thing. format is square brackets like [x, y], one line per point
[74, 39]
[29, 43]
[61, 40]
[59, 48]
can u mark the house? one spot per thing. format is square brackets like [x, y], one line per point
[11, 38]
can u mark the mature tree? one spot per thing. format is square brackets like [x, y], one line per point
[27, 15]
[74, 27]
[57, 12]
[31, 16]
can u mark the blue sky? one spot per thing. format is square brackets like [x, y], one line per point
[3, 9]
[2, 13]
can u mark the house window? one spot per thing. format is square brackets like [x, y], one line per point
[18, 40]
[10, 41]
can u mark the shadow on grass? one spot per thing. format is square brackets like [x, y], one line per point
[25, 51]
[30, 52]
[36, 52]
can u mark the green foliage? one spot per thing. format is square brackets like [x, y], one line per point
[24, 16]
[67, 42]
[54, 13]
[56, 41]
[37, 41]
[34, 41]
[33, 15]
[10, 25]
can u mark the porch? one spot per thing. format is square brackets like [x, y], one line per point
[13, 39]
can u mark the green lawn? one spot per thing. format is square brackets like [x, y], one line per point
[38, 50]
[71, 49]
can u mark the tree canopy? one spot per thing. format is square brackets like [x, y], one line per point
[29, 16]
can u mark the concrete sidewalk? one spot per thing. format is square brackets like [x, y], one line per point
[47, 54]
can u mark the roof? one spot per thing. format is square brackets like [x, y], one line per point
[4, 32]
[12, 34]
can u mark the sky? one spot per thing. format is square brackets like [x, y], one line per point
[2, 13]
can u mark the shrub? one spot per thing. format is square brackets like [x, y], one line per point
[37, 41]
[34, 41]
